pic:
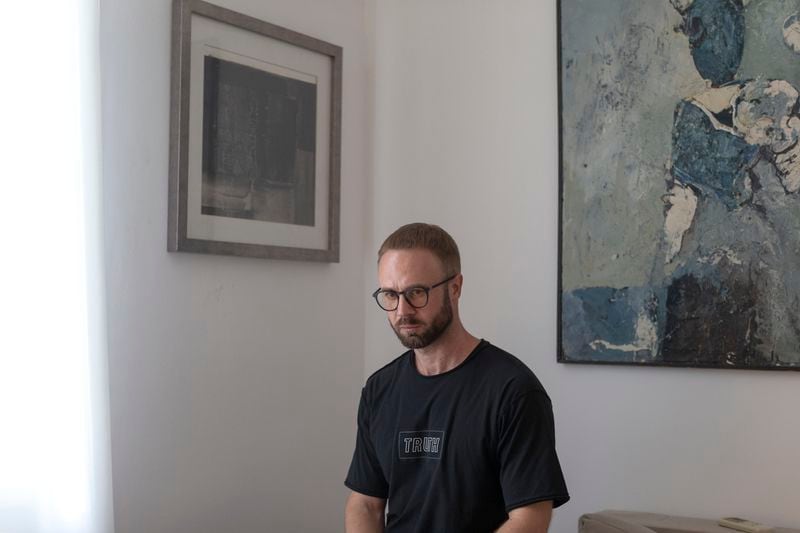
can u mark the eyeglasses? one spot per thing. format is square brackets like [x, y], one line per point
[417, 297]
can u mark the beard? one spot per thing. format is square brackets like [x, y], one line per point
[424, 336]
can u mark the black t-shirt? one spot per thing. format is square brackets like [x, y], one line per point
[456, 451]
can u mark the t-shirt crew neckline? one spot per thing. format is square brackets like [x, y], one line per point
[412, 362]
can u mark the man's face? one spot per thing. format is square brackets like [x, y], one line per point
[401, 269]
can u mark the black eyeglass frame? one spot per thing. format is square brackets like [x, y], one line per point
[405, 295]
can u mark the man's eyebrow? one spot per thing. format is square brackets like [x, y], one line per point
[382, 288]
[415, 286]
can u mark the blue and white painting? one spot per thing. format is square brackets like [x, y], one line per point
[680, 172]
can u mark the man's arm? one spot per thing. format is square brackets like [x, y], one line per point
[533, 518]
[364, 514]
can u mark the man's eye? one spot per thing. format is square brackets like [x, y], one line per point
[389, 295]
[415, 293]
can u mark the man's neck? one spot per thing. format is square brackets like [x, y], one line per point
[446, 353]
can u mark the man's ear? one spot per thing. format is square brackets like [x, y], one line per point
[456, 284]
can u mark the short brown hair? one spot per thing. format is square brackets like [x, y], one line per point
[427, 237]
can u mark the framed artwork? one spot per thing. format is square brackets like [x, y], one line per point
[679, 210]
[255, 137]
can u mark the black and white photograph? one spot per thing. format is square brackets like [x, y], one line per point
[258, 144]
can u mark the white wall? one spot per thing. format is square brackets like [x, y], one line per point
[233, 382]
[233, 397]
[466, 137]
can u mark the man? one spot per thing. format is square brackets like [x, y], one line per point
[456, 434]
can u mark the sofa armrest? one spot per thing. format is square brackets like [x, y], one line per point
[607, 523]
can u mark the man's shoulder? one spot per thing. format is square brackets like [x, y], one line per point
[387, 374]
[508, 371]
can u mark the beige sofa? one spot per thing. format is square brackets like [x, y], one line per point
[632, 522]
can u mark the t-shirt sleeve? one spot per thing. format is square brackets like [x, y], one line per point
[365, 474]
[529, 468]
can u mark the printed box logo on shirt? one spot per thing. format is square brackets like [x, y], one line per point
[426, 444]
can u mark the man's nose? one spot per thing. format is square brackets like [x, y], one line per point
[404, 308]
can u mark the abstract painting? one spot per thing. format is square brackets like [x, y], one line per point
[679, 210]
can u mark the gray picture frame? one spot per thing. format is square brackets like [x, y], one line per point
[183, 116]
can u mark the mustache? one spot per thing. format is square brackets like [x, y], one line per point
[408, 321]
